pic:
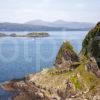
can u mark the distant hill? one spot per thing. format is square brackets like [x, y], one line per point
[39, 25]
[62, 23]
[25, 27]
[38, 22]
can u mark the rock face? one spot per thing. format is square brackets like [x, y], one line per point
[91, 44]
[24, 90]
[93, 67]
[66, 56]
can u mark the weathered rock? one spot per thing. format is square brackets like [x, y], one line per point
[91, 44]
[66, 56]
[28, 96]
[93, 67]
[24, 90]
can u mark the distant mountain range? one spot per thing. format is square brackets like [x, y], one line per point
[40, 25]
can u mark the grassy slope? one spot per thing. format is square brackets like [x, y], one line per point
[55, 79]
[80, 78]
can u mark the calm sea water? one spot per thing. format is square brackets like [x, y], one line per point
[21, 56]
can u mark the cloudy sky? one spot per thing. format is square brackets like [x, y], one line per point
[49, 10]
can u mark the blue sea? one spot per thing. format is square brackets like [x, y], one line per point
[21, 56]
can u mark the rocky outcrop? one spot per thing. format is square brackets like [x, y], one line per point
[91, 50]
[91, 44]
[66, 56]
[93, 67]
[24, 90]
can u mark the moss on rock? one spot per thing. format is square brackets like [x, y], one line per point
[66, 55]
[91, 44]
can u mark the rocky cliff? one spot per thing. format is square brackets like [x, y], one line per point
[73, 77]
[66, 56]
[91, 44]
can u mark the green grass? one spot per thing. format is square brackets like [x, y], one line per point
[77, 84]
[65, 46]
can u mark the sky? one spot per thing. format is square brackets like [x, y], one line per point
[21, 11]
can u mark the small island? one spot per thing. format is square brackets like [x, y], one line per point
[33, 34]
[2, 35]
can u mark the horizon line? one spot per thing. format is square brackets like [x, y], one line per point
[48, 21]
